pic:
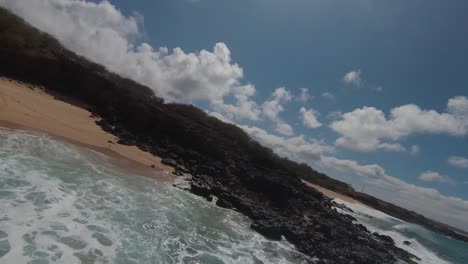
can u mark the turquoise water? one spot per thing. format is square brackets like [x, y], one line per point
[427, 245]
[63, 204]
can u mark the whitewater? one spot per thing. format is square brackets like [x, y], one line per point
[61, 203]
[64, 204]
[429, 246]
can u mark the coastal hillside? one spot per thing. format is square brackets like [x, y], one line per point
[224, 161]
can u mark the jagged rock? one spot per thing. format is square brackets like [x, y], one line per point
[182, 169]
[177, 173]
[223, 160]
[384, 238]
[267, 230]
[169, 162]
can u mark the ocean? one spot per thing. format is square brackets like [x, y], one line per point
[429, 246]
[61, 203]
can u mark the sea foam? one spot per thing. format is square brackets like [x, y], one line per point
[64, 204]
[385, 224]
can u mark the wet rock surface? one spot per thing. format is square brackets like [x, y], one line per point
[278, 203]
[223, 161]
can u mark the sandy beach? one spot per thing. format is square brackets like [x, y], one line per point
[332, 194]
[24, 106]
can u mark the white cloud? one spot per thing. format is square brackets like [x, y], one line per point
[309, 118]
[458, 161]
[295, 148]
[274, 106]
[458, 106]
[432, 176]
[370, 171]
[415, 150]
[221, 117]
[328, 96]
[365, 128]
[100, 32]
[304, 96]
[391, 147]
[353, 77]
[334, 115]
[377, 88]
[244, 106]
[284, 129]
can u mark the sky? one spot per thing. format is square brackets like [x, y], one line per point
[373, 93]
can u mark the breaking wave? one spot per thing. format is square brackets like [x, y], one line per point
[430, 247]
[63, 204]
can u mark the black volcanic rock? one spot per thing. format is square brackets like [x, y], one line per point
[224, 161]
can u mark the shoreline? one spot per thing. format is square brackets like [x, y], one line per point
[334, 195]
[27, 107]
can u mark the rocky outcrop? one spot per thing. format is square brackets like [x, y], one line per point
[223, 161]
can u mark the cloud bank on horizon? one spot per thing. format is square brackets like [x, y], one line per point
[100, 32]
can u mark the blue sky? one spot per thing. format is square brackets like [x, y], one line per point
[360, 60]
[415, 50]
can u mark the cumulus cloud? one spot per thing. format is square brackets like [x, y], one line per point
[328, 96]
[458, 106]
[353, 77]
[295, 148]
[309, 118]
[458, 162]
[100, 32]
[304, 95]
[284, 129]
[221, 117]
[373, 171]
[271, 109]
[432, 176]
[244, 108]
[365, 128]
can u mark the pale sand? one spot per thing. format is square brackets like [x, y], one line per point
[332, 194]
[23, 106]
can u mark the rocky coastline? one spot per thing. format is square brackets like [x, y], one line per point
[225, 164]
[278, 203]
